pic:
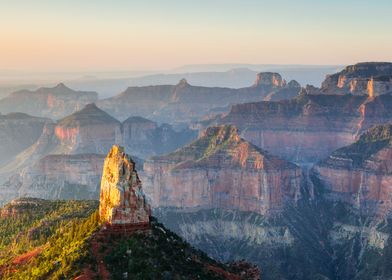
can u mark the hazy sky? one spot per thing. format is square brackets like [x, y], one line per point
[159, 34]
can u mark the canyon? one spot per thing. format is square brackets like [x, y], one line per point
[309, 127]
[297, 181]
[63, 162]
[339, 228]
[221, 170]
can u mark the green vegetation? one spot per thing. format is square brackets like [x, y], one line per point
[159, 255]
[54, 240]
[45, 239]
[369, 143]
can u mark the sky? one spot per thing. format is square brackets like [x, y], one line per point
[118, 35]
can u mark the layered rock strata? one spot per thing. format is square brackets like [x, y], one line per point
[361, 173]
[220, 169]
[368, 78]
[309, 127]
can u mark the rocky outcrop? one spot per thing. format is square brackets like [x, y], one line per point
[122, 200]
[92, 130]
[269, 79]
[89, 130]
[184, 102]
[74, 144]
[309, 127]
[17, 132]
[55, 103]
[368, 78]
[20, 206]
[361, 174]
[221, 170]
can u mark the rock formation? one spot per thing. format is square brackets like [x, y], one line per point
[89, 130]
[183, 102]
[269, 79]
[55, 103]
[368, 78]
[361, 174]
[20, 206]
[17, 132]
[221, 170]
[63, 162]
[60, 177]
[309, 127]
[122, 201]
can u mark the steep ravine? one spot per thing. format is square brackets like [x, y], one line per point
[317, 239]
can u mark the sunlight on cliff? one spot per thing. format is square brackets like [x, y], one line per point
[370, 88]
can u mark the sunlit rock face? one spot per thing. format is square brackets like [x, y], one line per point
[122, 200]
[361, 174]
[369, 78]
[221, 170]
[17, 132]
[89, 130]
[269, 79]
[56, 102]
[310, 127]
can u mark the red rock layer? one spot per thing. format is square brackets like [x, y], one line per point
[361, 174]
[310, 127]
[222, 170]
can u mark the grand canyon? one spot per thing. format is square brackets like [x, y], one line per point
[209, 140]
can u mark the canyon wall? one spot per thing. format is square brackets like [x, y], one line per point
[222, 170]
[307, 128]
[367, 78]
[361, 174]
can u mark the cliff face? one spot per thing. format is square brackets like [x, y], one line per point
[361, 173]
[56, 102]
[74, 144]
[61, 177]
[184, 102]
[222, 170]
[122, 200]
[17, 132]
[144, 138]
[89, 130]
[309, 127]
[367, 78]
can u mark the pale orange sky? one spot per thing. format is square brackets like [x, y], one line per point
[129, 35]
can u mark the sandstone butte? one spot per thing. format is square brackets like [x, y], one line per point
[361, 173]
[221, 169]
[122, 201]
